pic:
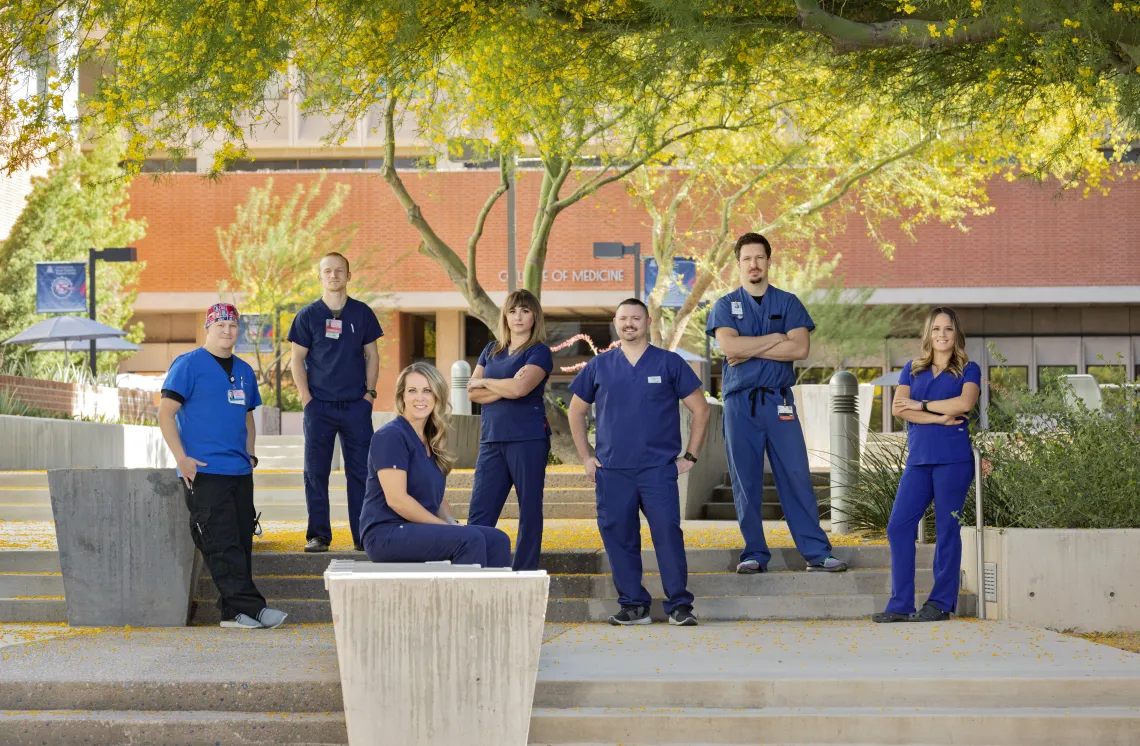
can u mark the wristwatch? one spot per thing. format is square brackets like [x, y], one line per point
[924, 409]
[253, 460]
[371, 392]
[689, 457]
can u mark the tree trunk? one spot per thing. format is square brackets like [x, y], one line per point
[561, 441]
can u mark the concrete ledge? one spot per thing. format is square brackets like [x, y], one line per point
[37, 443]
[1065, 579]
[467, 677]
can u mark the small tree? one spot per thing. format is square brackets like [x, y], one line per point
[81, 204]
[272, 249]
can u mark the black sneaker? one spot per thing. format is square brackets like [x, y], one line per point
[930, 613]
[358, 547]
[317, 544]
[682, 616]
[630, 615]
[889, 617]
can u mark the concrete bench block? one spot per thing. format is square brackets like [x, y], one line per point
[124, 546]
[437, 655]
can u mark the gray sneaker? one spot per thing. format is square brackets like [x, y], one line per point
[630, 615]
[241, 621]
[271, 618]
[828, 565]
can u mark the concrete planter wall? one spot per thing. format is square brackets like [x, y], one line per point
[437, 658]
[124, 546]
[1079, 579]
[696, 487]
[813, 405]
[37, 443]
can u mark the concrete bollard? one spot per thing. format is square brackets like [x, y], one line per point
[460, 375]
[844, 444]
[467, 677]
[124, 546]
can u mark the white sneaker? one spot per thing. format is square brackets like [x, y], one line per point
[241, 621]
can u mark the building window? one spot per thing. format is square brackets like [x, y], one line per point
[321, 164]
[1108, 373]
[423, 339]
[161, 166]
[476, 336]
[1048, 375]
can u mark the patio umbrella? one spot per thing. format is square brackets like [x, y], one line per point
[102, 344]
[888, 379]
[65, 329]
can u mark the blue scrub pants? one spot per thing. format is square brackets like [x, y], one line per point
[946, 485]
[653, 490]
[432, 542]
[522, 464]
[323, 421]
[752, 426]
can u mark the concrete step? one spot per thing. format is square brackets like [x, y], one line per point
[33, 609]
[769, 511]
[584, 610]
[205, 728]
[854, 582]
[847, 725]
[770, 495]
[29, 560]
[287, 461]
[819, 477]
[30, 584]
[280, 440]
[23, 479]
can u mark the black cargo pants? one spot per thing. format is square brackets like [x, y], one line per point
[222, 524]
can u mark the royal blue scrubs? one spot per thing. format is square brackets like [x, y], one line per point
[754, 392]
[513, 450]
[212, 419]
[336, 372]
[939, 469]
[388, 537]
[638, 441]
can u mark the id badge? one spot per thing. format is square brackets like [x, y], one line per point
[237, 396]
[333, 328]
[786, 412]
[737, 309]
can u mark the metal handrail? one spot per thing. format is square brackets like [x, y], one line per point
[981, 535]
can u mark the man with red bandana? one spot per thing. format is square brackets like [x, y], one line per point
[206, 417]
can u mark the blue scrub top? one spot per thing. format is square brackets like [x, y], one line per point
[211, 420]
[639, 422]
[335, 364]
[396, 446]
[938, 444]
[515, 419]
[779, 311]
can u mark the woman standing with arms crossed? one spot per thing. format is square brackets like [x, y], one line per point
[405, 517]
[936, 391]
[508, 382]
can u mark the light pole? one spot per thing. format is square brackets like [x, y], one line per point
[616, 250]
[127, 254]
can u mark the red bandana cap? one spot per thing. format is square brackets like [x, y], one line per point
[221, 312]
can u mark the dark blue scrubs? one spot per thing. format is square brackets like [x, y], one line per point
[754, 392]
[513, 450]
[638, 442]
[939, 469]
[337, 381]
[388, 537]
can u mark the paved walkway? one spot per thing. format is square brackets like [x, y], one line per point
[727, 651]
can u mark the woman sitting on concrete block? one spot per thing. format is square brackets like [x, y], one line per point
[405, 517]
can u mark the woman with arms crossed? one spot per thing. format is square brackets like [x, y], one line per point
[405, 517]
[508, 382]
[936, 391]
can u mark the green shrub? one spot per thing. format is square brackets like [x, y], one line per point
[1063, 467]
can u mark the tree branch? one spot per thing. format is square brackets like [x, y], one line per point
[916, 33]
[432, 245]
[480, 221]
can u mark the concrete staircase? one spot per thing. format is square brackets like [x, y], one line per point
[280, 494]
[581, 590]
[721, 506]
